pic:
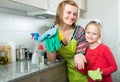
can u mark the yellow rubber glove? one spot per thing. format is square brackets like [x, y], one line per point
[57, 43]
[95, 74]
[60, 35]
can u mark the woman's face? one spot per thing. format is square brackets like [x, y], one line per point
[69, 14]
[92, 33]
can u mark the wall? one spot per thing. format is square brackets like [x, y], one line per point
[107, 12]
[19, 28]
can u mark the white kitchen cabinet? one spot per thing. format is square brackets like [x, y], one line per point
[82, 4]
[35, 3]
[50, 4]
[21, 7]
[13, 0]
[41, 8]
[53, 4]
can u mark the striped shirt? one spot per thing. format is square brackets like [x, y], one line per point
[79, 36]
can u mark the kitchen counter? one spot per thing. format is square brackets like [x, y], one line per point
[20, 69]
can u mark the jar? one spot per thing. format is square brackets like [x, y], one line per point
[3, 57]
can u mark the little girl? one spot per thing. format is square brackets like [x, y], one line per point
[98, 55]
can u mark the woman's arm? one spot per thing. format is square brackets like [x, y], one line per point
[79, 61]
[51, 56]
[79, 58]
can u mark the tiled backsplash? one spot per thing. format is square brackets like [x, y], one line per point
[18, 28]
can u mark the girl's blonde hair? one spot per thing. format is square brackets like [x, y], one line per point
[98, 24]
[60, 10]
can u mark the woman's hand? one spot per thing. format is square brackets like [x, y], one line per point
[79, 61]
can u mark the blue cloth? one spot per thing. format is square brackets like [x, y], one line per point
[48, 34]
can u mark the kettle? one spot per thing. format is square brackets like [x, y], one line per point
[20, 52]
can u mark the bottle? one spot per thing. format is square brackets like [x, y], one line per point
[41, 55]
[35, 59]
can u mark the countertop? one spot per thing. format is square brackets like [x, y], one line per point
[19, 69]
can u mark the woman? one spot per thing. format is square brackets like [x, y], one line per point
[73, 44]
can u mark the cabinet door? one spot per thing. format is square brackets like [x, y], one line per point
[82, 4]
[38, 78]
[52, 6]
[60, 73]
[13, 0]
[48, 75]
[35, 3]
[54, 74]
[28, 79]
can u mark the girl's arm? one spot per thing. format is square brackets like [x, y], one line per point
[112, 66]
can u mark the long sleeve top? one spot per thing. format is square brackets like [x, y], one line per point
[101, 57]
[79, 36]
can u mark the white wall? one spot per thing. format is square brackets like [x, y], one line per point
[119, 23]
[107, 12]
[19, 28]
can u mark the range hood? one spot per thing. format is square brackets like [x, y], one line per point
[42, 14]
[13, 7]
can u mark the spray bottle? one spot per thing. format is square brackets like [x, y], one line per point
[38, 54]
[35, 59]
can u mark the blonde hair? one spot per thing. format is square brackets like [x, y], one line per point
[98, 24]
[60, 9]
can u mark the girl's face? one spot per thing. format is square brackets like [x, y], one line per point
[69, 14]
[92, 33]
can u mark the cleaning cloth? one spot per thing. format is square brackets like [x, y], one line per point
[95, 74]
[51, 32]
[53, 43]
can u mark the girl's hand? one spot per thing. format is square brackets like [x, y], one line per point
[79, 61]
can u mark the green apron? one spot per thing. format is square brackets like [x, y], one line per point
[68, 52]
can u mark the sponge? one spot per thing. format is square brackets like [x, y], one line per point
[95, 74]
